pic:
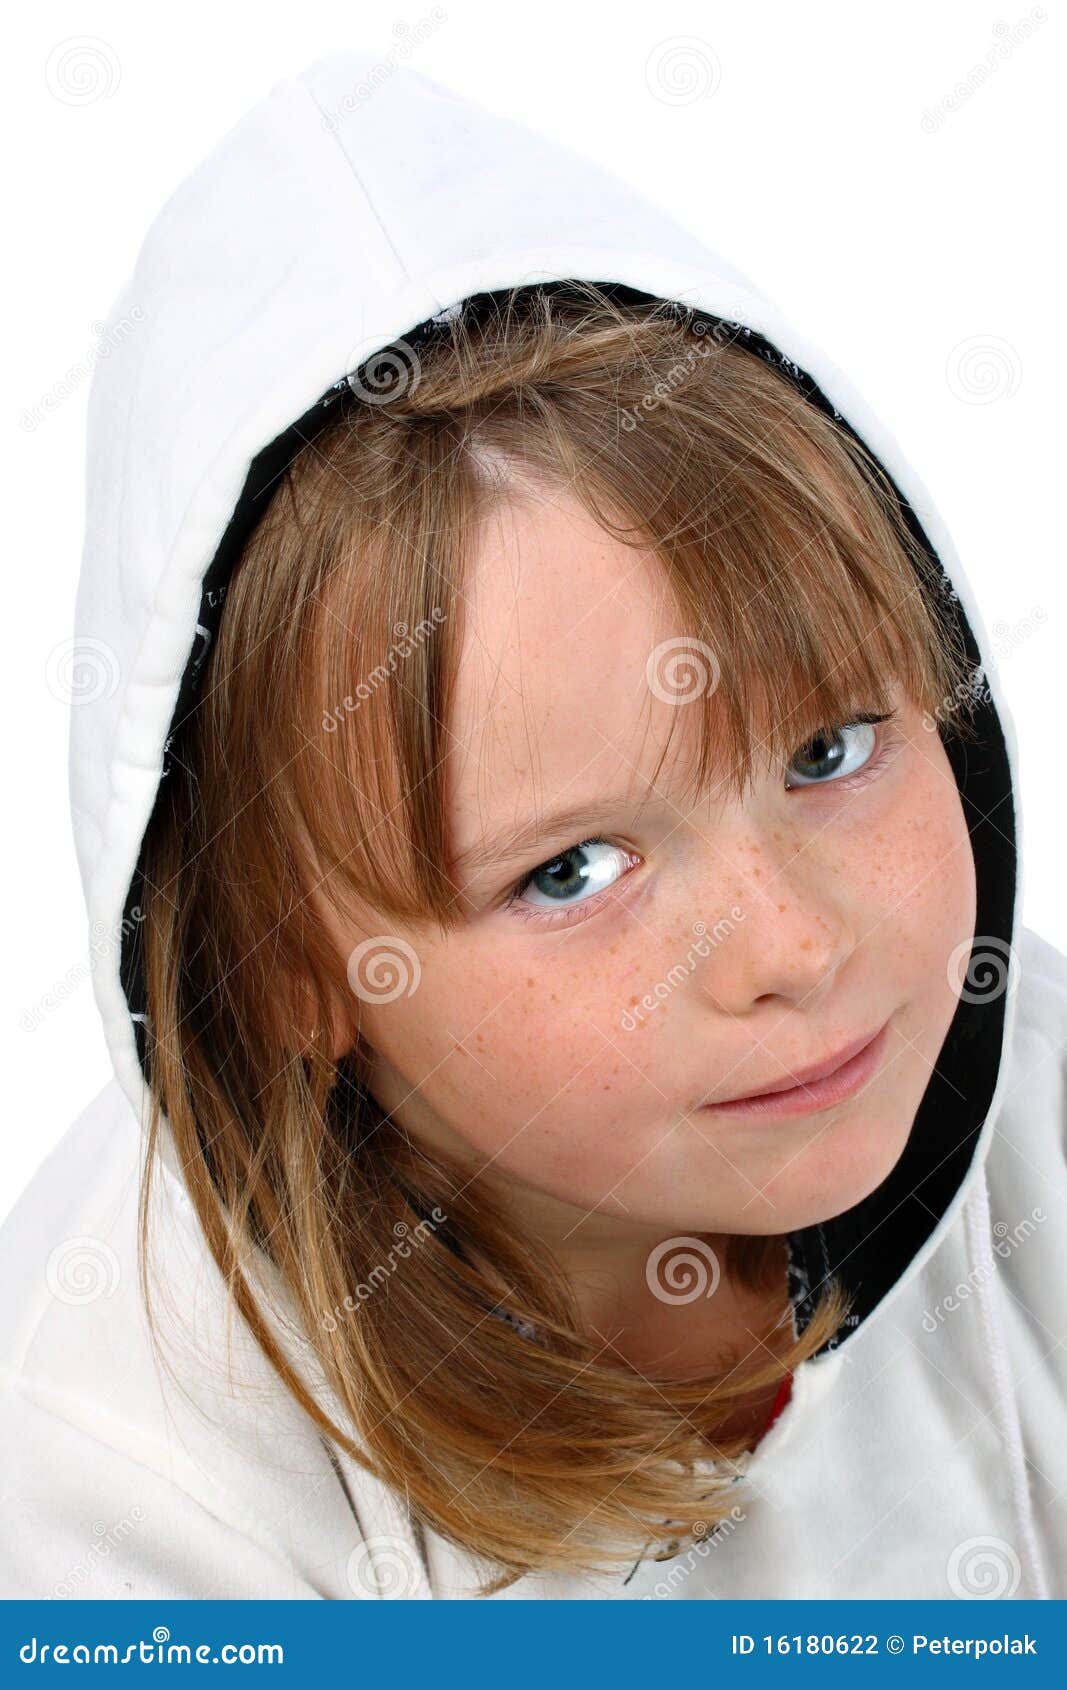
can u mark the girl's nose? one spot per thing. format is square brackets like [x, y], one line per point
[793, 931]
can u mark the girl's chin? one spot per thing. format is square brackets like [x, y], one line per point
[834, 1172]
[801, 1171]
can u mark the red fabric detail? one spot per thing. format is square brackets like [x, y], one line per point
[785, 1391]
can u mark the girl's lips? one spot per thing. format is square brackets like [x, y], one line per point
[814, 1095]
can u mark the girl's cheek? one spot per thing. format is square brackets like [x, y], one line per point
[920, 869]
[506, 1033]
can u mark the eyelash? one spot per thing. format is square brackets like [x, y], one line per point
[887, 742]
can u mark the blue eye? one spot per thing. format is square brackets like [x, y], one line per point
[836, 753]
[574, 877]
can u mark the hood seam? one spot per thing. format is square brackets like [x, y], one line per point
[368, 202]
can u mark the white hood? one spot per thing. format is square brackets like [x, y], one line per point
[341, 213]
[925, 1456]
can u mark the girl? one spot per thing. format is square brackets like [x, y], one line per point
[560, 838]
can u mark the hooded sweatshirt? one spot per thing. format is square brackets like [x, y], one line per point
[922, 1452]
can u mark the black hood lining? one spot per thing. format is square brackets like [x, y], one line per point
[870, 1245]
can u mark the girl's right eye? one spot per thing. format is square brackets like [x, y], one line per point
[849, 750]
[593, 866]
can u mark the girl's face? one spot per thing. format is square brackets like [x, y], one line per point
[566, 1043]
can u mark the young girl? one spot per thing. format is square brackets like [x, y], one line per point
[587, 1118]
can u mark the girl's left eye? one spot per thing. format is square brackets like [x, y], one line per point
[849, 754]
[589, 867]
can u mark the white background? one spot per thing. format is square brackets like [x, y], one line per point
[887, 176]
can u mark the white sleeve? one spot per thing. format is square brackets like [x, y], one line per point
[79, 1519]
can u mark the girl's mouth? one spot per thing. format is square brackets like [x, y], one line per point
[812, 1095]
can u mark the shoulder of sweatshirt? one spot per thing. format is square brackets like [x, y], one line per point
[115, 1479]
[1026, 1160]
[1026, 1165]
[1026, 1260]
[1032, 1113]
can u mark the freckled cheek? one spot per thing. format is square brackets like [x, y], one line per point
[518, 1040]
[919, 875]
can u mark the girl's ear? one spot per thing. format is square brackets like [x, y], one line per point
[332, 1037]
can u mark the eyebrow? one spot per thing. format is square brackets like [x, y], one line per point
[510, 844]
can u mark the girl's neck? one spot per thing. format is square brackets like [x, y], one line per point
[658, 1300]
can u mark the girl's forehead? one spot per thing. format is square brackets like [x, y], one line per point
[558, 696]
[557, 612]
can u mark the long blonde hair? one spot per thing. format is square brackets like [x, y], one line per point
[320, 739]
